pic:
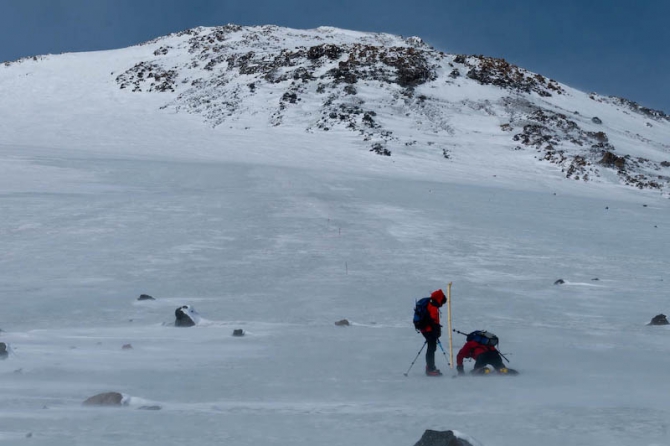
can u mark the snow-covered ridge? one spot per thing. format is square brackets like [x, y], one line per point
[331, 71]
[398, 96]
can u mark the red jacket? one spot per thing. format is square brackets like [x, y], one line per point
[437, 299]
[472, 349]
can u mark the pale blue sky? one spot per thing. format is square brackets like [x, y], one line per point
[612, 47]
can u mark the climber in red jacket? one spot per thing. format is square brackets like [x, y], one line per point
[482, 354]
[433, 330]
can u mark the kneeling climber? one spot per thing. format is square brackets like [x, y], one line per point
[481, 346]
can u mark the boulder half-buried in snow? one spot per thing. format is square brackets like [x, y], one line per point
[106, 399]
[441, 438]
[659, 319]
[186, 316]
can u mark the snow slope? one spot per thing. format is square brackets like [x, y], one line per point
[349, 92]
[107, 193]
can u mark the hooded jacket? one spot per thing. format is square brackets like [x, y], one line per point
[437, 299]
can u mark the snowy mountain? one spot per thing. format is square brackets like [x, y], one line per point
[391, 95]
[272, 183]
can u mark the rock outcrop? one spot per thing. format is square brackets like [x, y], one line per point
[441, 438]
[659, 319]
[186, 316]
[106, 399]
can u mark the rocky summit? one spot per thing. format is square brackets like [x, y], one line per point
[398, 95]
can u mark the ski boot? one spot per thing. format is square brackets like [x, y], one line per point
[507, 371]
[433, 372]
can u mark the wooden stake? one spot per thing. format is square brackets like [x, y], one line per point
[451, 343]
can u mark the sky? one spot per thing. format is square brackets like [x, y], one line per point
[614, 47]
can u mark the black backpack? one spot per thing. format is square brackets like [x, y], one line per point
[483, 337]
[421, 318]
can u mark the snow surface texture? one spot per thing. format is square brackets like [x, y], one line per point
[282, 230]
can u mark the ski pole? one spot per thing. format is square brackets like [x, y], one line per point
[451, 341]
[417, 357]
[444, 353]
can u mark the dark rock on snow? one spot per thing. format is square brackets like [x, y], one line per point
[342, 323]
[105, 399]
[145, 297]
[441, 438]
[238, 332]
[559, 282]
[149, 408]
[659, 319]
[186, 316]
